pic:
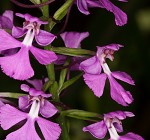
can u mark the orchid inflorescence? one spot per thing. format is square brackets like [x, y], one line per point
[41, 104]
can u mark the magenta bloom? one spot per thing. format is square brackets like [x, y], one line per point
[11, 116]
[32, 24]
[112, 124]
[120, 16]
[72, 40]
[6, 20]
[46, 108]
[34, 103]
[18, 65]
[95, 79]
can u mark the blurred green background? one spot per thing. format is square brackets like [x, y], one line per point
[134, 59]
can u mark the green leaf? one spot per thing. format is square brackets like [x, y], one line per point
[53, 91]
[47, 85]
[11, 94]
[63, 74]
[61, 12]
[71, 81]
[72, 51]
[81, 114]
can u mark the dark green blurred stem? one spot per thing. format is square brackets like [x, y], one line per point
[54, 86]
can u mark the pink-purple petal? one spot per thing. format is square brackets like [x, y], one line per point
[5, 23]
[121, 115]
[118, 127]
[92, 3]
[9, 116]
[44, 38]
[129, 114]
[118, 93]
[7, 41]
[120, 16]
[25, 87]
[44, 57]
[83, 7]
[30, 18]
[18, 65]
[123, 77]
[50, 130]
[36, 83]
[47, 109]
[61, 59]
[24, 102]
[9, 15]
[91, 66]
[131, 136]
[18, 32]
[6, 20]
[98, 130]
[73, 39]
[26, 132]
[96, 83]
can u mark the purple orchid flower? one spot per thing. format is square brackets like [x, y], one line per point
[72, 40]
[112, 124]
[18, 65]
[32, 24]
[120, 16]
[38, 104]
[6, 20]
[11, 116]
[46, 108]
[96, 80]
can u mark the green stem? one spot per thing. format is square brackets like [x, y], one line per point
[63, 124]
[54, 87]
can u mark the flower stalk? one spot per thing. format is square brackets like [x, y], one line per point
[51, 75]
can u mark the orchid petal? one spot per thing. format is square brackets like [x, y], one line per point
[9, 116]
[98, 130]
[118, 93]
[18, 32]
[24, 102]
[7, 41]
[18, 65]
[6, 20]
[123, 77]
[83, 7]
[73, 39]
[44, 38]
[120, 16]
[96, 83]
[26, 132]
[131, 136]
[47, 110]
[44, 57]
[91, 66]
[50, 130]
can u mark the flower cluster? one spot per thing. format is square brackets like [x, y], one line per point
[35, 109]
[30, 106]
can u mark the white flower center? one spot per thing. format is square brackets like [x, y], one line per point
[113, 133]
[112, 130]
[106, 68]
[34, 111]
[29, 38]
